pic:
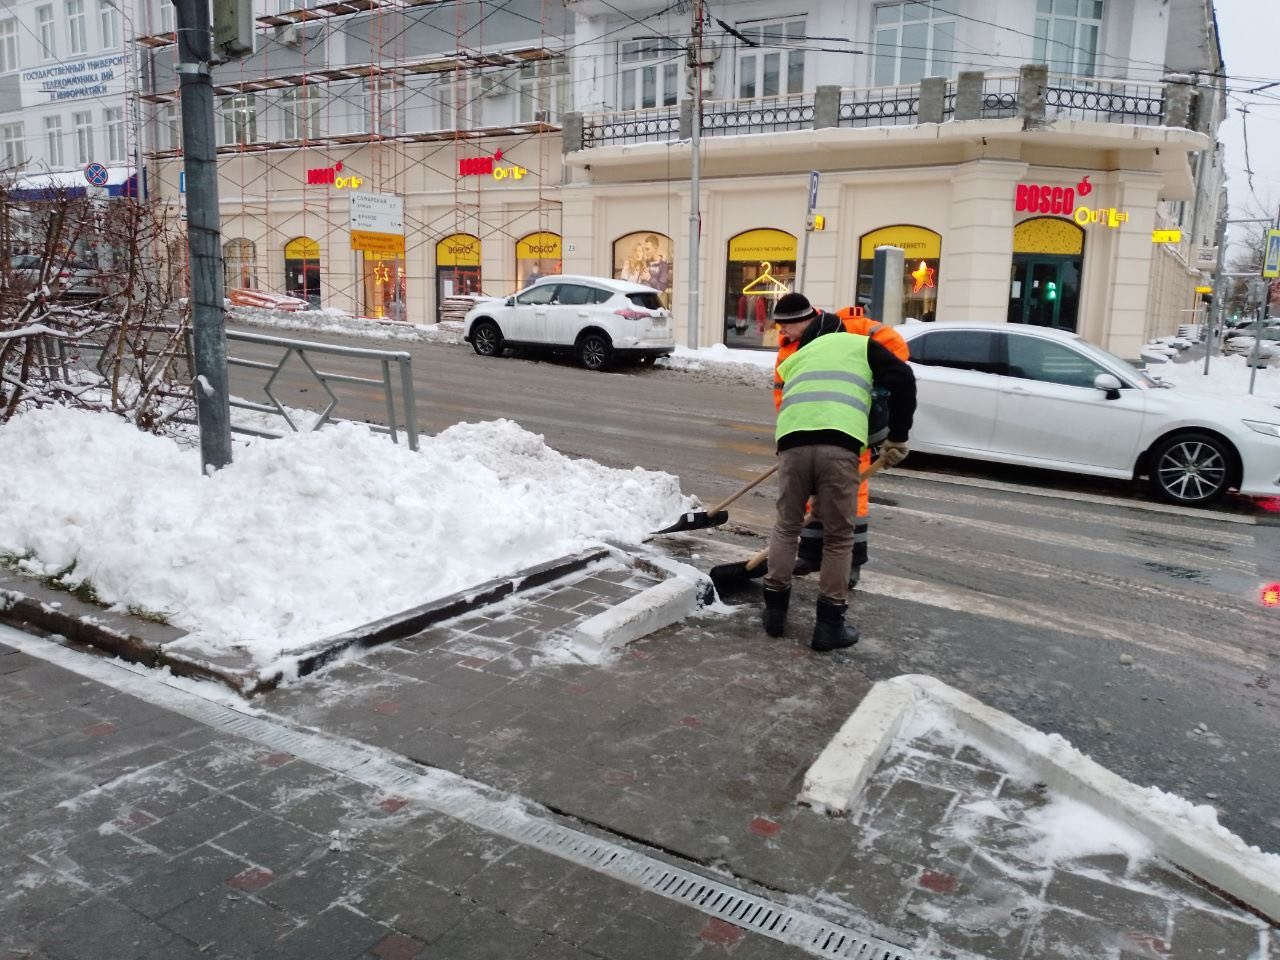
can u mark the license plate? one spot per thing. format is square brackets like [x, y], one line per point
[659, 321]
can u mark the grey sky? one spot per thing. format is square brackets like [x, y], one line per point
[1248, 30]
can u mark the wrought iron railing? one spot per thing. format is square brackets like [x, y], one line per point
[880, 106]
[657, 125]
[1106, 101]
[999, 97]
[762, 115]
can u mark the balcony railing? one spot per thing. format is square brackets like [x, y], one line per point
[1032, 94]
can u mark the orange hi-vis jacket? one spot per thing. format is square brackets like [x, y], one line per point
[855, 321]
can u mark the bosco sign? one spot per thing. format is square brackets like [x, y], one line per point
[488, 167]
[1044, 198]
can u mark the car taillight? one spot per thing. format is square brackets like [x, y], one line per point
[628, 314]
[1271, 595]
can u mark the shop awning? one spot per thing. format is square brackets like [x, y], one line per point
[121, 182]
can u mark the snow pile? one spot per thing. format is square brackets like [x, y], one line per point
[330, 320]
[1228, 377]
[304, 536]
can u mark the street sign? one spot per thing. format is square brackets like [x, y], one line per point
[1204, 289]
[813, 189]
[96, 174]
[182, 181]
[377, 223]
[1166, 236]
[1271, 262]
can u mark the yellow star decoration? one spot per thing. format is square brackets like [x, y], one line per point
[381, 274]
[923, 276]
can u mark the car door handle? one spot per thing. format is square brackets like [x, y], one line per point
[584, 313]
[1017, 391]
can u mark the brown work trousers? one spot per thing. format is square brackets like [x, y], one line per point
[831, 474]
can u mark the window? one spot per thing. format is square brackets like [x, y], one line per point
[238, 258]
[53, 137]
[301, 113]
[958, 349]
[13, 145]
[173, 126]
[459, 98]
[166, 16]
[1031, 358]
[84, 136]
[649, 74]
[574, 295]
[77, 35]
[113, 124]
[914, 41]
[761, 268]
[8, 45]
[240, 119]
[921, 270]
[544, 91]
[384, 107]
[765, 72]
[109, 19]
[44, 24]
[1067, 33]
[543, 293]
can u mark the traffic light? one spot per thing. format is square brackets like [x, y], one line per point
[1050, 290]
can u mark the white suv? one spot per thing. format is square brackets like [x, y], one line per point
[598, 319]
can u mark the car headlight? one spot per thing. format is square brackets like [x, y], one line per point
[1268, 429]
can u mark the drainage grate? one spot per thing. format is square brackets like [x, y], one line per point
[500, 813]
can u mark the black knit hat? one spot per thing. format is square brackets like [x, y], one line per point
[793, 308]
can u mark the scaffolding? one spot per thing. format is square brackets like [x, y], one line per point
[380, 96]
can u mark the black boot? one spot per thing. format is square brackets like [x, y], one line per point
[829, 630]
[774, 617]
[809, 553]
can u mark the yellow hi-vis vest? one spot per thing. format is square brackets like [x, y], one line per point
[826, 385]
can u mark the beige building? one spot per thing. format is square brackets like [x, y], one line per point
[521, 144]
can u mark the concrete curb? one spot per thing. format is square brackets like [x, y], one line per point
[1189, 841]
[682, 593]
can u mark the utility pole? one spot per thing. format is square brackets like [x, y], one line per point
[1219, 289]
[200, 161]
[695, 171]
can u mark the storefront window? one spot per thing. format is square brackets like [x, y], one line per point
[457, 268]
[384, 286]
[302, 269]
[761, 268]
[238, 264]
[645, 258]
[537, 255]
[921, 269]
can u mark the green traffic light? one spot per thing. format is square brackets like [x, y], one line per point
[1050, 290]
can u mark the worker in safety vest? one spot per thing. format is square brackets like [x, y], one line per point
[822, 431]
[856, 321]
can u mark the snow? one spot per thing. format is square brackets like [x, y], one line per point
[1228, 377]
[304, 536]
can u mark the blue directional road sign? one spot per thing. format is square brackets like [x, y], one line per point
[96, 174]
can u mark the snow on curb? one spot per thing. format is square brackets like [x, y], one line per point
[683, 593]
[1186, 835]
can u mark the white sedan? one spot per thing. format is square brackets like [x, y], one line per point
[1046, 398]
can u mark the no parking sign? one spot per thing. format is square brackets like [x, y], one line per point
[96, 174]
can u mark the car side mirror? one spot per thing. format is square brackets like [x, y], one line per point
[511, 301]
[1109, 384]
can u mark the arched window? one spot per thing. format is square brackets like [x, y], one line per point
[457, 268]
[537, 255]
[239, 264]
[1046, 274]
[645, 257]
[921, 269]
[761, 267]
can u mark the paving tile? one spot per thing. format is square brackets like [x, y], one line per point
[457, 857]
[321, 882]
[190, 826]
[1117, 907]
[411, 904]
[101, 858]
[336, 934]
[34, 894]
[1068, 936]
[225, 921]
[1199, 935]
[487, 935]
[267, 841]
[166, 886]
[83, 932]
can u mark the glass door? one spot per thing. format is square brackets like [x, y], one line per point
[1044, 291]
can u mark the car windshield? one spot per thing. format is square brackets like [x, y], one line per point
[646, 300]
[1141, 377]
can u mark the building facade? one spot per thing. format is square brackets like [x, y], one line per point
[1024, 183]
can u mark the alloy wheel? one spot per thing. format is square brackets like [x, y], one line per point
[1192, 471]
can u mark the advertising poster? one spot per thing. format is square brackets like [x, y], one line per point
[645, 257]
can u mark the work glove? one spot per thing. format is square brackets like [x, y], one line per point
[893, 452]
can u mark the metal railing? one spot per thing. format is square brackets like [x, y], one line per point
[999, 97]
[1106, 101]
[657, 125]
[306, 352]
[757, 115]
[880, 106]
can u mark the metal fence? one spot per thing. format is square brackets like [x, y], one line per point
[763, 115]
[880, 106]
[310, 356]
[1104, 101]
[632, 126]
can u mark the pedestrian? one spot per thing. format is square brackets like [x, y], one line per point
[822, 430]
[856, 321]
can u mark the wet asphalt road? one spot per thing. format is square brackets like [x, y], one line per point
[1079, 606]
